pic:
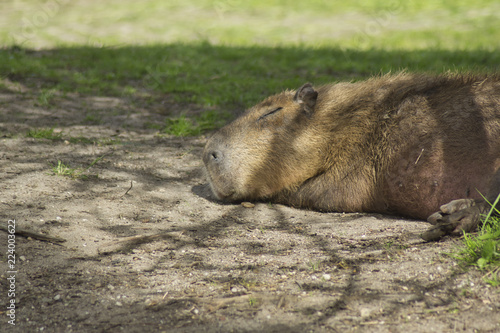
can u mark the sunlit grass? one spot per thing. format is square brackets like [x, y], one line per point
[185, 126]
[483, 248]
[353, 24]
[44, 133]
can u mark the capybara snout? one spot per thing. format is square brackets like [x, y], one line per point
[403, 144]
[219, 172]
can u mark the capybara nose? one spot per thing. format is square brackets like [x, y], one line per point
[213, 157]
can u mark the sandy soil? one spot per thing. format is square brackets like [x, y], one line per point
[163, 256]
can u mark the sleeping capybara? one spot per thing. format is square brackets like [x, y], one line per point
[414, 145]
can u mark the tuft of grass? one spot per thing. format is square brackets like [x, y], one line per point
[389, 244]
[95, 161]
[64, 170]
[108, 142]
[483, 248]
[252, 301]
[46, 97]
[180, 126]
[248, 284]
[44, 133]
[314, 265]
[184, 126]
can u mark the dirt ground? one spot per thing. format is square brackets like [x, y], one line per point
[163, 256]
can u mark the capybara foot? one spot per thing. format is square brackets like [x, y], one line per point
[454, 218]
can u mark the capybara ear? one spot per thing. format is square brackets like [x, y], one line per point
[306, 96]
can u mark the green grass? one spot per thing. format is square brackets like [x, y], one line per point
[65, 170]
[314, 265]
[181, 126]
[107, 142]
[185, 126]
[483, 248]
[46, 97]
[44, 133]
[62, 169]
[252, 301]
[213, 75]
[360, 23]
[49, 134]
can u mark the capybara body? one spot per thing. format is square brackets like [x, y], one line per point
[402, 144]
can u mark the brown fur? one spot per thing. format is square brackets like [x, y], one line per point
[400, 144]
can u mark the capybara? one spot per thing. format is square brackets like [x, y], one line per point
[414, 145]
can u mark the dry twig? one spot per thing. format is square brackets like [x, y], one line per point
[26, 233]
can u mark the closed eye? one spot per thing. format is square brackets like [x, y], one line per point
[270, 113]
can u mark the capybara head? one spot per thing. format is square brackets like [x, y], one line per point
[270, 148]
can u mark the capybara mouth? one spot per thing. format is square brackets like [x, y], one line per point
[218, 177]
[220, 192]
[223, 196]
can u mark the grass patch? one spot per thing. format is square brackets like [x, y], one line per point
[44, 133]
[108, 142]
[184, 126]
[180, 126]
[314, 265]
[227, 78]
[483, 248]
[64, 170]
[256, 22]
[252, 301]
[48, 134]
[46, 97]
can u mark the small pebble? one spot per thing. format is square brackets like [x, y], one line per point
[248, 204]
